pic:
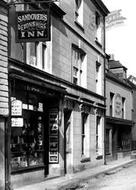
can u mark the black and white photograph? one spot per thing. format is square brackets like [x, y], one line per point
[67, 95]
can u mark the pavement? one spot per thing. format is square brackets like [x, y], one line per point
[69, 181]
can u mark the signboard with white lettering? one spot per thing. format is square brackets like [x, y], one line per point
[17, 122]
[32, 26]
[53, 136]
[118, 106]
[16, 108]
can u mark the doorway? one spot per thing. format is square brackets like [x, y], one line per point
[67, 141]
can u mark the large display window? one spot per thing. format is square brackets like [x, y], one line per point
[27, 130]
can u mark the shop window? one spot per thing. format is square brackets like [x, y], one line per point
[79, 11]
[123, 107]
[27, 131]
[108, 141]
[79, 67]
[85, 135]
[111, 104]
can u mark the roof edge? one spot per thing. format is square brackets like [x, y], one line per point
[101, 6]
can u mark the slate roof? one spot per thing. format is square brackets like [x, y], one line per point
[115, 64]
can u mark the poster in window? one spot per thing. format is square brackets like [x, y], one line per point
[16, 108]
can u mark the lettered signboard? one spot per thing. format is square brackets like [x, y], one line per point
[32, 26]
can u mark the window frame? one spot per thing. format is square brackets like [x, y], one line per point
[77, 64]
[111, 111]
[79, 12]
[84, 117]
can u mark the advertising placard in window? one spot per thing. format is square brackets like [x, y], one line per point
[53, 136]
[16, 108]
[32, 26]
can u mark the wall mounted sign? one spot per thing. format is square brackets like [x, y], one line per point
[32, 26]
[53, 136]
[118, 106]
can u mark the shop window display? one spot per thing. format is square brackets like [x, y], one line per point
[27, 130]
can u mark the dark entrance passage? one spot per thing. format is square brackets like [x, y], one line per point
[67, 141]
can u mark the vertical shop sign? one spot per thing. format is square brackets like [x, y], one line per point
[53, 136]
[118, 106]
[32, 26]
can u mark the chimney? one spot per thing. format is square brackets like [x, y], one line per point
[112, 57]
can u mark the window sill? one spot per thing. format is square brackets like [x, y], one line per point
[99, 157]
[79, 26]
[98, 43]
[85, 159]
[27, 169]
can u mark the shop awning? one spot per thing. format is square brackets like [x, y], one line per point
[40, 83]
[119, 121]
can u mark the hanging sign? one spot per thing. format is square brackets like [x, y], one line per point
[32, 26]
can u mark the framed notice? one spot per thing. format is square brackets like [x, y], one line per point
[16, 122]
[32, 26]
[16, 108]
[53, 136]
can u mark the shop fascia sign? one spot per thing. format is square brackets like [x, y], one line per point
[32, 26]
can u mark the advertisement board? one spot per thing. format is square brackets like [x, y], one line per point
[32, 26]
[53, 136]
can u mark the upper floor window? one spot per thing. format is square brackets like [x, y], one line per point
[98, 78]
[31, 53]
[79, 11]
[111, 104]
[123, 107]
[79, 66]
[98, 22]
[37, 55]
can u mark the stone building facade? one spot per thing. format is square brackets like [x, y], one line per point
[57, 93]
[119, 101]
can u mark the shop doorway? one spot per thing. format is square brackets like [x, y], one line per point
[67, 142]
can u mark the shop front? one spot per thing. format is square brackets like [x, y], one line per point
[34, 132]
[118, 138]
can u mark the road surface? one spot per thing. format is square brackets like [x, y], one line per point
[119, 179]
